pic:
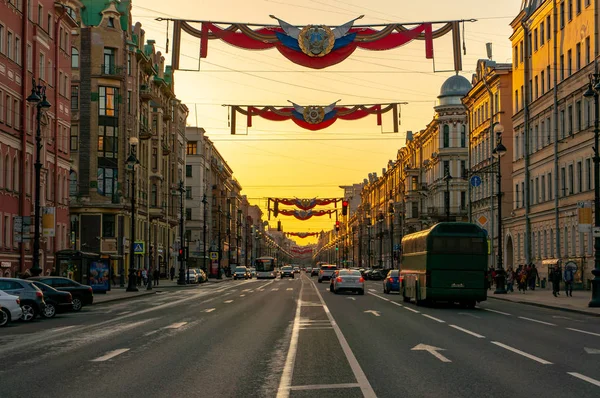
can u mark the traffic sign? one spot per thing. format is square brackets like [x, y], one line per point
[475, 181]
[214, 255]
[139, 247]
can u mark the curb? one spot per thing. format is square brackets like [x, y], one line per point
[112, 300]
[549, 306]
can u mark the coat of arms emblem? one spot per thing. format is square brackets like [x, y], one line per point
[316, 40]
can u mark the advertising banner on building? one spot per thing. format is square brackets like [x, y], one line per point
[49, 221]
[584, 216]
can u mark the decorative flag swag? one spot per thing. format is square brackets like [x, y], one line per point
[305, 215]
[316, 46]
[302, 235]
[302, 204]
[314, 117]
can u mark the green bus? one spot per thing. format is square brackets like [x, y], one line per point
[447, 262]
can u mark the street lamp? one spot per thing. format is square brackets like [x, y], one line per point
[391, 212]
[497, 153]
[369, 227]
[181, 278]
[592, 91]
[447, 178]
[220, 212]
[132, 163]
[204, 202]
[37, 97]
[380, 222]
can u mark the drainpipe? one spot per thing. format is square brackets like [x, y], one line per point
[57, 84]
[527, 133]
[24, 117]
[492, 146]
[555, 91]
[469, 166]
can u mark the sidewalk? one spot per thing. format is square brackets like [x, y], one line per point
[544, 298]
[118, 293]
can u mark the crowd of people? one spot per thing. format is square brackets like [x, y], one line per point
[526, 277]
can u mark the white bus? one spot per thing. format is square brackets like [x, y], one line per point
[265, 267]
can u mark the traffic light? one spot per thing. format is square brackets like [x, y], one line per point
[336, 248]
[337, 226]
[180, 256]
[344, 207]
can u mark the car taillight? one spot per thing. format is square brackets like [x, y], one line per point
[18, 302]
[70, 297]
[361, 279]
[39, 294]
[320, 272]
[338, 279]
[90, 289]
[391, 279]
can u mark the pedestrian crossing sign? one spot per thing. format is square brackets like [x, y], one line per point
[139, 247]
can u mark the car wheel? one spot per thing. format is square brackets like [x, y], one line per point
[385, 291]
[4, 317]
[49, 311]
[77, 304]
[29, 312]
[331, 288]
[361, 292]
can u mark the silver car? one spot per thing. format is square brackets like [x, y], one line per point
[347, 279]
[32, 298]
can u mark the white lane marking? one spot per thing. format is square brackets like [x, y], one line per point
[535, 320]
[315, 327]
[591, 350]
[290, 288]
[110, 354]
[246, 290]
[372, 290]
[432, 350]
[209, 310]
[275, 289]
[561, 317]
[175, 325]
[526, 355]
[376, 313]
[351, 298]
[467, 331]
[585, 378]
[378, 296]
[123, 313]
[261, 290]
[410, 309]
[242, 295]
[228, 301]
[150, 333]
[324, 386]
[468, 314]
[286, 377]
[360, 376]
[62, 329]
[584, 331]
[497, 312]
[395, 303]
[434, 318]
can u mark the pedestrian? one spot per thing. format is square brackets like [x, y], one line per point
[510, 279]
[156, 277]
[172, 272]
[139, 277]
[112, 276]
[569, 277]
[556, 277]
[145, 276]
[523, 279]
[533, 276]
[490, 278]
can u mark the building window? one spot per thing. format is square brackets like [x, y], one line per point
[74, 57]
[535, 39]
[129, 103]
[154, 158]
[543, 189]
[9, 44]
[108, 68]
[74, 137]
[108, 141]
[588, 174]
[111, 22]
[562, 15]
[562, 67]
[128, 64]
[579, 177]
[516, 101]
[192, 148]
[108, 101]
[578, 115]
[108, 225]
[463, 169]
[463, 136]
[537, 94]
[570, 10]
[523, 194]
[107, 181]
[569, 63]
[570, 118]
[446, 168]
[550, 193]
[188, 192]
[578, 56]
[154, 195]
[188, 214]
[188, 170]
[587, 50]
[74, 97]
[446, 136]
[542, 33]
[571, 180]
[72, 183]
[563, 181]
[562, 123]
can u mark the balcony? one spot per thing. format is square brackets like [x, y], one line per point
[145, 132]
[157, 211]
[147, 94]
[110, 70]
[165, 149]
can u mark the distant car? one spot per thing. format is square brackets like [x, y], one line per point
[346, 279]
[56, 301]
[287, 271]
[191, 276]
[82, 294]
[241, 273]
[326, 272]
[201, 275]
[32, 298]
[10, 308]
[376, 275]
[296, 270]
[391, 283]
[314, 271]
[253, 272]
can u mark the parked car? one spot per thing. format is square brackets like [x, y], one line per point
[191, 276]
[82, 294]
[32, 298]
[347, 279]
[241, 273]
[10, 308]
[326, 272]
[56, 301]
[201, 275]
[391, 283]
[376, 275]
[287, 271]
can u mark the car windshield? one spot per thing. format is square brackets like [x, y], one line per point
[349, 272]
[329, 268]
[240, 269]
[287, 268]
[394, 273]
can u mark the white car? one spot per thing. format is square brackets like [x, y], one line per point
[347, 279]
[192, 276]
[11, 308]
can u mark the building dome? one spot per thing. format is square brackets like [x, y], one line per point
[455, 86]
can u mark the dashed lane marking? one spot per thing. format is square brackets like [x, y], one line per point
[275, 289]
[175, 325]
[290, 288]
[584, 331]
[410, 309]
[467, 331]
[110, 354]
[434, 318]
[585, 378]
[497, 312]
[537, 321]
[209, 310]
[526, 355]
[228, 301]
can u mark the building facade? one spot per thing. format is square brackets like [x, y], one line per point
[35, 42]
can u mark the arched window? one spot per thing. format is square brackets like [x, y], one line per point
[446, 136]
[74, 58]
[16, 174]
[72, 183]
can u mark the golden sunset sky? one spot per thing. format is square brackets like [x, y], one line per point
[279, 159]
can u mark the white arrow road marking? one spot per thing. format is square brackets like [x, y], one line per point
[432, 350]
[351, 298]
[376, 313]
[175, 325]
[228, 301]
[209, 310]
[585, 378]
[591, 350]
[110, 354]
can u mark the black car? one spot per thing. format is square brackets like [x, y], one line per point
[376, 275]
[82, 294]
[287, 271]
[56, 301]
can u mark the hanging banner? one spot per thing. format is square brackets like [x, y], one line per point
[305, 215]
[49, 221]
[316, 46]
[314, 117]
[304, 204]
[302, 235]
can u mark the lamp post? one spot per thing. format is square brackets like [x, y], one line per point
[391, 212]
[132, 163]
[181, 278]
[498, 152]
[380, 222]
[447, 178]
[219, 212]
[37, 97]
[592, 91]
[368, 221]
[204, 238]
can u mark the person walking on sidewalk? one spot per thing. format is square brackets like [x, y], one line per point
[145, 276]
[522, 279]
[533, 276]
[569, 277]
[556, 277]
[156, 277]
[510, 279]
[172, 272]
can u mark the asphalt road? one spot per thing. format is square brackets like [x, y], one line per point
[294, 338]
